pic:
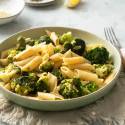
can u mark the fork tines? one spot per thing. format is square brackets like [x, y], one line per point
[110, 36]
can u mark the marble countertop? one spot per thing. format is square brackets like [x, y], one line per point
[90, 15]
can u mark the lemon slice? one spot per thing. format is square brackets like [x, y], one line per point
[72, 3]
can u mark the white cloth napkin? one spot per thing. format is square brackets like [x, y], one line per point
[109, 110]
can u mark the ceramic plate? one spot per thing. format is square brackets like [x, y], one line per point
[39, 2]
[67, 103]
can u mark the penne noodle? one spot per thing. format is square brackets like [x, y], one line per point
[32, 64]
[57, 57]
[84, 66]
[87, 76]
[67, 72]
[25, 54]
[67, 54]
[52, 81]
[54, 38]
[110, 77]
[49, 96]
[24, 62]
[74, 60]
[57, 64]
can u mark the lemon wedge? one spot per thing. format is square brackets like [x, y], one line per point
[72, 3]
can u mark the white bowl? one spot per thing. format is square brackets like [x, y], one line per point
[12, 7]
[67, 103]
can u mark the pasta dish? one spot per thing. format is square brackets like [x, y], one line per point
[55, 67]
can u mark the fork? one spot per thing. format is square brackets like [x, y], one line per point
[111, 37]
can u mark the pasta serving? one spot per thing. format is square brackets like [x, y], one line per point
[54, 67]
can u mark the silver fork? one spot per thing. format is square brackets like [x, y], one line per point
[111, 37]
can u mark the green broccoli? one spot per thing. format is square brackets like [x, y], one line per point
[90, 87]
[24, 85]
[30, 41]
[103, 70]
[98, 55]
[9, 72]
[71, 88]
[67, 46]
[11, 54]
[78, 46]
[66, 37]
[42, 84]
[21, 43]
[58, 74]
[45, 39]
[46, 67]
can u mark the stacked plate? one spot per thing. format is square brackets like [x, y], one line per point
[39, 2]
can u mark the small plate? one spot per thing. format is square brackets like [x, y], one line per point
[10, 9]
[39, 2]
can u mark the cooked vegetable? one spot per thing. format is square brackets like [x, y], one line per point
[67, 46]
[45, 39]
[21, 43]
[66, 37]
[98, 55]
[71, 88]
[90, 87]
[46, 67]
[42, 85]
[103, 70]
[78, 46]
[58, 74]
[11, 54]
[24, 85]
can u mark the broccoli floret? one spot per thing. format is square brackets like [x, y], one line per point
[9, 72]
[42, 84]
[30, 41]
[11, 54]
[98, 55]
[90, 87]
[66, 37]
[21, 43]
[67, 46]
[58, 74]
[46, 67]
[12, 68]
[78, 46]
[45, 39]
[103, 70]
[24, 85]
[57, 50]
[71, 88]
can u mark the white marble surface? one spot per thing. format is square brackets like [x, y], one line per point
[90, 15]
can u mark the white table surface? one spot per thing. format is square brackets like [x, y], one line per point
[90, 15]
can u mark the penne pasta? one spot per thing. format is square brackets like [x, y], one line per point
[87, 76]
[84, 66]
[25, 54]
[52, 81]
[54, 38]
[24, 62]
[49, 96]
[74, 60]
[32, 64]
[57, 57]
[67, 72]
